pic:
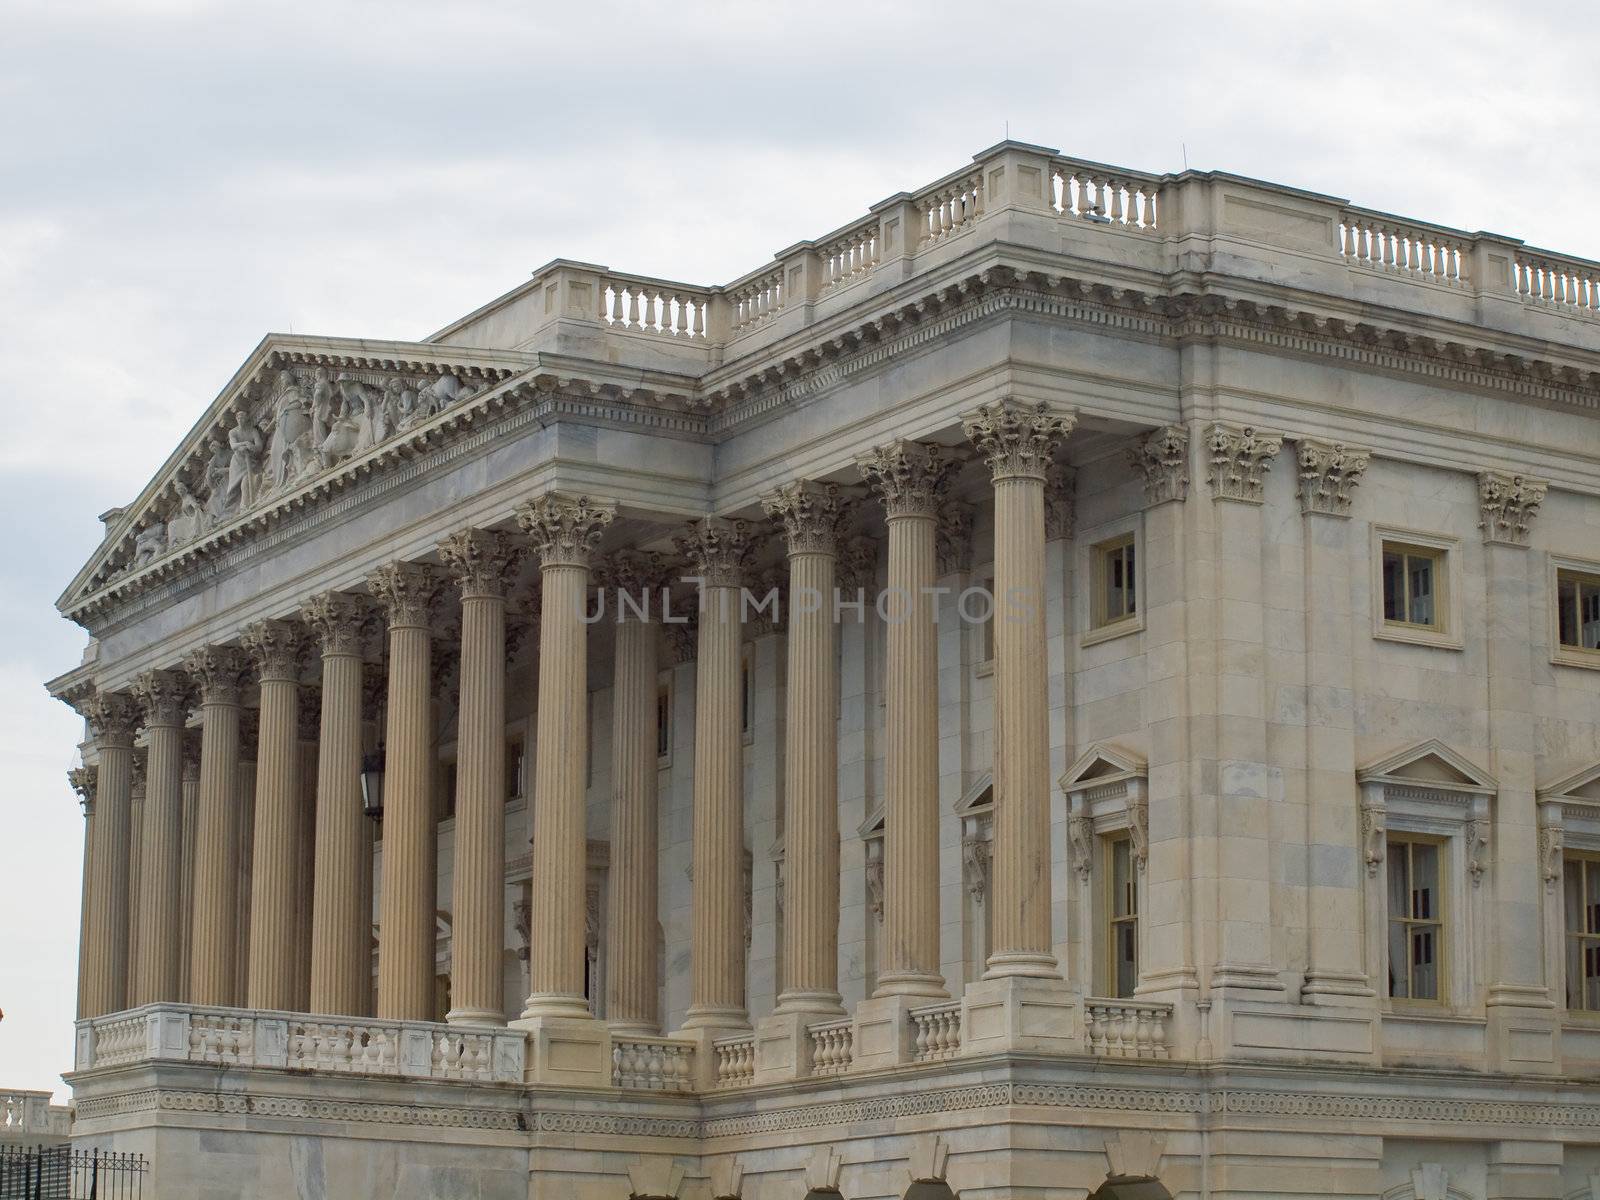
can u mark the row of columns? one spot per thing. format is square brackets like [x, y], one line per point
[1016, 441]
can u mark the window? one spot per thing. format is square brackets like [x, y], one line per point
[1122, 913]
[663, 721]
[746, 698]
[1581, 881]
[986, 624]
[1416, 925]
[516, 764]
[1578, 611]
[1413, 586]
[1115, 588]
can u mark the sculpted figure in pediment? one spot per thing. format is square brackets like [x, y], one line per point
[149, 542]
[321, 406]
[361, 402]
[217, 479]
[291, 428]
[244, 444]
[188, 519]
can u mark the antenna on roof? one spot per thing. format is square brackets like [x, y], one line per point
[1008, 131]
[1185, 146]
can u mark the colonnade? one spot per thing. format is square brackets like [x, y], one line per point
[475, 568]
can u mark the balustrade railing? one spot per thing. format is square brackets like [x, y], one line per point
[674, 310]
[30, 1114]
[1384, 243]
[1105, 196]
[951, 208]
[757, 299]
[935, 1032]
[832, 1046]
[851, 255]
[735, 1060]
[1127, 1028]
[1557, 282]
[652, 1064]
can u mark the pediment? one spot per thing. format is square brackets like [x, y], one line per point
[1431, 764]
[979, 797]
[1579, 785]
[1103, 763]
[873, 826]
[298, 419]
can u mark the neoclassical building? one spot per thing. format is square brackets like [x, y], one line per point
[1076, 684]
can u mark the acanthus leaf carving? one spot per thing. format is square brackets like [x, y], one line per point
[277, 648]
[338, 621]
[1017, 440]
[1162, 457]
[1551, 844]
[406, 591]
[566, 530]
[810, 514]
[219, 672]
[909, 477]
[1374, 834]
[164, 696]
[483, 561]
[717, 550]
[1329, 472]
[953, 537]
[1240, 459]
[112, 717]
[1507, 506]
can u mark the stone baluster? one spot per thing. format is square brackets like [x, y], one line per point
[1018, 443]
[483, 564]
[631, 908]
[566, 532]
[406, 593]
[112, 717]
[810, 516]
[716, 550]
[219, 672]
[340, 912]
[909, 477]
[165, 698]
[277, 648]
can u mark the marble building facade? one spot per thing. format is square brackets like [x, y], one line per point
[1246, 844]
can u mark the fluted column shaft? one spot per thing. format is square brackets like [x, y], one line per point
[482, 563]
[908, 477]
[406, 904]
[105, 966]
[716, 550]
[341, 963]
[213, 934]
[276, 647]
[1018, 442]
[810, 514]
[631, 983]
[188, 819]
[164, 696]
[565, 532]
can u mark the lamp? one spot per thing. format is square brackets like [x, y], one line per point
[372, 784]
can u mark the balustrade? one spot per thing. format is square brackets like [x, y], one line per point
[1546, 279]
[1104, 197]
[672, 310]
[1383, 243]
[851, 255]
[30, 1114]
[832, 1046]
[735, 1060]
[1127, 1028]
[758, 299]
[951, 208]
[652, 1064]
[936, 1032]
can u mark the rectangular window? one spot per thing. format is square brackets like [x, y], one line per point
[1115, 587]
[1581, 881]
[1413, 586]
[1416, 921]
[986, 627]
[515, 765]
[746, 699]
[1578, 610]
[1122, 911]
[663, 721]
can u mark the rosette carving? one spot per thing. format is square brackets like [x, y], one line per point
[483, 561]
[1017, 440]
[337, 620]
[219, 672]
[277, 648]
[909, 477]
[406, 592]
[716, 549]
[810, 514]
[1162, 457]
[164, 697]
[566, 530]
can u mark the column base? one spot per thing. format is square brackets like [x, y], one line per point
[1022, 964]
[924, 984]
[1013, 1012]
[817, 1006]
[1337, 987]
[708, 1016]
[475, 1016]
[567, 1051]
[555, 1004]
[648, 1029]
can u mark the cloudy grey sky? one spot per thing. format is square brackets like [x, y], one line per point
[182, 176]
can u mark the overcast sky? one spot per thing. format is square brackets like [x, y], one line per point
[181, 177]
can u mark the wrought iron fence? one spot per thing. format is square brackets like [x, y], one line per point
[68, 1173]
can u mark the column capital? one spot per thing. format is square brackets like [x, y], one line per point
[406, 592]
[1240, 459]
[164, 696]
[482, 561]
[338, 620]
[566, 530]
[909, 477]
[1329, 472]
[716, 549]
[112, 716]
[1162, 457]
[219, 673]
[1060, 501]
[84, 781]
[810, 513]
[1507, 505]
[1017, 440]
[277, 648]
[952, 537]
[633, 571]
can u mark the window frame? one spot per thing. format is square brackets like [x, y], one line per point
[1441, 922]
[1588, 570]
[664, 726]
[1110, 844]
[1097, 543]
[1446, 554]
[1590, 862]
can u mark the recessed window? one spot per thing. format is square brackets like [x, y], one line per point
[1413, 586]
[1578, 610]
[1122, 914]
[663, 721]
[746, 698]
[986, 625]
[1416, 920]
[1581, 881]
[1116, 596]
[516, 764]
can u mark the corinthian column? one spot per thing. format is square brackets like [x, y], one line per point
[164, 696]
[340, 936]
[565, 532]
[405, 918]
[187, 819]
[1018, 441]
[112, 717]
[83, 782]
[277, 648]
[810, 516]
[483, 564]
[716, 550]
[219, 671]
[909, 477]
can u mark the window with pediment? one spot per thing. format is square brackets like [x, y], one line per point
[1108, 829]
[1569, 862]
[975, 810]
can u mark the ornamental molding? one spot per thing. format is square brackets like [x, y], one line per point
[1507, 505]
[910, 478]
[1329, 472]
[338, 621]
[952, 537]
[483, 562]
[811, 514]
[718, 550]
[1240, 458]
[164, 697]
[1015, 440]
[219, 672]
[566, 530]
[112, 717]
[406, 591]
[299, 1108]
[277, 648]
[1162, 457]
